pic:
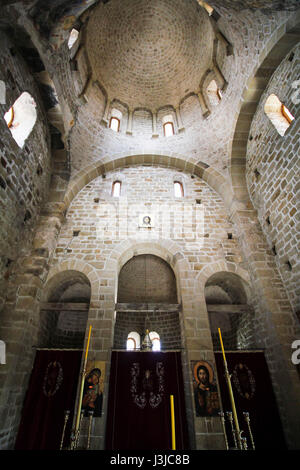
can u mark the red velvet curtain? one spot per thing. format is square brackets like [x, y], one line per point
[51, 391]
[253, 393]
[139, 401]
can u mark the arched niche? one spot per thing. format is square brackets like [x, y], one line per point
[227, 300]
[64, 312]
[147, 299]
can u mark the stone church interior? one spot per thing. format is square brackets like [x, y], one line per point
[149, 247]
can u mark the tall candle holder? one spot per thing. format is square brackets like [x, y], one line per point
[67, 415]
[247, 419]
[221, 414]
[80, 412]
[230, 419]
[91, 414]
[244, 442]
[236, 431]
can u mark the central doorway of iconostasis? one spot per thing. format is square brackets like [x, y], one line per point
[146, 368]
[227, 301]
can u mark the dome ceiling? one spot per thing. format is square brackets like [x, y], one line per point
[149, 54]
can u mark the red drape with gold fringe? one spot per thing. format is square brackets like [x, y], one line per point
[139, 401]
[51, 391]
[253, 393]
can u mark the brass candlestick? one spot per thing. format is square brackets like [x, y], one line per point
[221, 414]
[77, 435]
[247, 419]
[67, 415]
[230, 419]
[91, 413]
[236, 432]
[79, 412]
[244, 442]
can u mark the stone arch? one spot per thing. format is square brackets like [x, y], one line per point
[210, 175]
[211, 269]
[165, 249]
[170, 253]
[65, 310]
[214, 268]
[269, 60]
[80, 266]
[227, 297]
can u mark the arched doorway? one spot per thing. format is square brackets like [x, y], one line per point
[228, 301]
[142, 379]
[53, 383]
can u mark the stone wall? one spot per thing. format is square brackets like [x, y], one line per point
[195, 228]
[25, 180]
[273, 174]
[24, 172]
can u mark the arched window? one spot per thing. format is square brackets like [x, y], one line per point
[21, 117]
[116, 188]
[214, 93]
[115, 119]
[155, 340]
[133, 341]
[168, 129]
[278, 114]
[178, 189]
[168, 125]
[114, 124]
[73, 37]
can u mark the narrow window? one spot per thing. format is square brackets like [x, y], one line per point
[73, 38]
[131, 344]
[21, 118]
[168, 129]
[278, 114]
[178, 189]
[214, 93]
[116, 189]
[155, 340]
[207, 7]
[114, 124]
[133, 341]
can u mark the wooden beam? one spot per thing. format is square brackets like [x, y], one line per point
[229, 308]
[71, 306]
[147, 307]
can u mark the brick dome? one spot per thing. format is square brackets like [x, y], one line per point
[149, 54]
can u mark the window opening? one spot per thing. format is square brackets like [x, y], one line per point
[178, 189]
[21, 118]
[168, 129]
[278, 113]
[116, 189]
[207, 7]
[214, 93]
[133, 341]
[114, 124]
[73, 37]
[155, 340]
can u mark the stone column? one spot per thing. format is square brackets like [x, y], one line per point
[20, 321]
[204, 108]
[129, 123]
[154, 125]
[220, 78]
[179, 120]
[106, 111]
